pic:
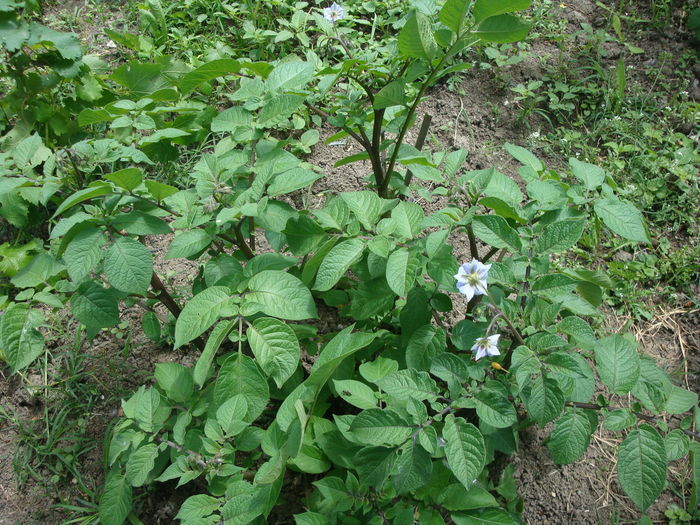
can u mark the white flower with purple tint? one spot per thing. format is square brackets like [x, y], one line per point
[334, 13]
[486, 346]
[472, 278]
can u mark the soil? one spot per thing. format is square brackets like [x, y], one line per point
[480, 117]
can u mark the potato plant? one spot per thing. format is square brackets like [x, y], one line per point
[397, 415]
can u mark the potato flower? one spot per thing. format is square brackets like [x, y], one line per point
[472, 278]
[486, 346]
[334, 13]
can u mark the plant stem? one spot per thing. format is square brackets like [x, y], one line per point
[375, 150]
[420, 140]
[506, 319]
[365, 143]
[240, 241]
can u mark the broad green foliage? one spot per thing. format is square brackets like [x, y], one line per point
[329, 349]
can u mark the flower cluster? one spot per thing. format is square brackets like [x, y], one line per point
[472, 279]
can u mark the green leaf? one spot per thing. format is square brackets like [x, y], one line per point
[240, 375]
[352, 158]
[619, 419]
[303, 234]
[548, 194]
[292, 180]
[279, 294]
[524, 156]
[570, 437]
[546, 400]
[365, 205]
[216, 338]
[231, 413]
[20, 341]
[373, 371]
[453, 14]
[188, 244]
[591, 175]
[146, 409]
[580, 332]
[407, 217]
[197, 506]
[115, 503]
[151, 326]
[559, 236]
[495, 231]
[484, 9]
[311, 518]
[390, 95]
[622, 218]
[84, 252]
[375, 426]
[275, 347]
[290, 76]
[677, 444]
[464, 449]
[494, 408]
[202, 311]
[279, 108]
[374, 465]
[503, 209]
[231, 119]
[207, 72]
[137, 222]
[484, 517]
[128, 178]
[401, 271]
[554, 285]
[98, 189]
[140, 464]
[409, 384]
[337, 262]
[129, 266]
[413, 468]
[175, 380]
[641, 465]
[425, 343]
[416, 38]
[158, 190]
[502, 29]
[343, 345]
[618, 363]
[680, 400]
[95, 306]
[356, 393]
